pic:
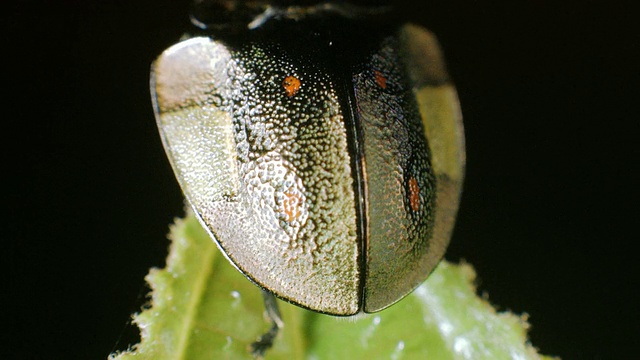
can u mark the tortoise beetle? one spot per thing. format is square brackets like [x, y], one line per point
[323, 153]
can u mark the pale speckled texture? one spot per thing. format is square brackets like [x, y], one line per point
[285, 215]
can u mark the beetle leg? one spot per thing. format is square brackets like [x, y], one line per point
[265, 341]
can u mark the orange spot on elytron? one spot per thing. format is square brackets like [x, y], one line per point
[291, 85]
[414, 194]
[291, 206]
[380, 79]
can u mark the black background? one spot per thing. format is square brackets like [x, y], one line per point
[549, 91]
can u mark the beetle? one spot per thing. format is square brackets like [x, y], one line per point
[324, 153]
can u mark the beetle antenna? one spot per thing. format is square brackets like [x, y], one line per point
[265, 341]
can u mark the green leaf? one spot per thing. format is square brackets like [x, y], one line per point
[203, 308]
